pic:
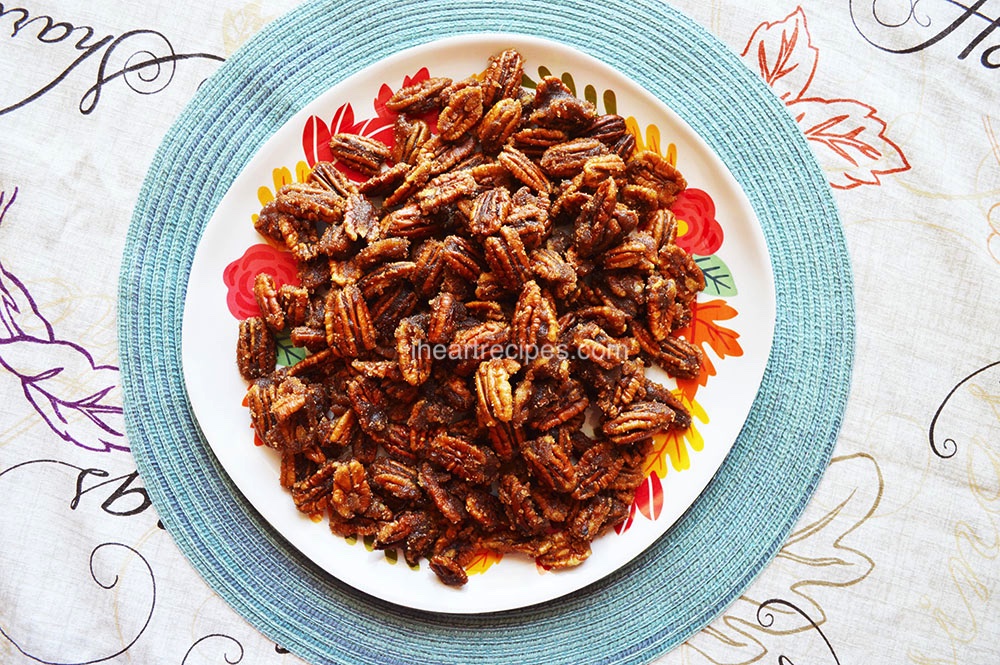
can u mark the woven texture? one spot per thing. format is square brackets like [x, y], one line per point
[708, 558]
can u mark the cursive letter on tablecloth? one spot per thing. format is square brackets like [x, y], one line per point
[144, 70]
[868, 20]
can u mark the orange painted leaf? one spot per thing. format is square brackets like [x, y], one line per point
[704, 329]
[782, 53]
[482, 562]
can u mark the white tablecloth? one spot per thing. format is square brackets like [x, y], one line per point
[897, 557]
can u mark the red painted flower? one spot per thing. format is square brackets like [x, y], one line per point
[239, 277]
[700, 233]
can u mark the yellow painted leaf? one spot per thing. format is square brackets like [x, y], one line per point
[673, 445]
[302, 171]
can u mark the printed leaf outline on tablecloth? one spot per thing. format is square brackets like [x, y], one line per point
[822, 555]
[848, 136]
[61, 380]
[699, 232]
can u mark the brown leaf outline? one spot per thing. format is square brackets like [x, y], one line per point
[819, 553]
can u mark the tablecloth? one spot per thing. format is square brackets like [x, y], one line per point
[895, 558]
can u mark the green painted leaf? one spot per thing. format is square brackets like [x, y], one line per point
[288, 353]
[718, 279]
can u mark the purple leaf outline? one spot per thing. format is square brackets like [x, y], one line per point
[53, 372]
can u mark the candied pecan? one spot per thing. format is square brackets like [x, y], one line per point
[599, 168]
[386, 276]
[638, 421]
[446, 311]
[534, 322]
[434, 484]
[505, 439]
[485, 508]
[387, 180]
[441, 156]
[592, 343]
[430, 267]
[550, 463]
[462, 257]
[294, 304]
[381, 251]
[418, 97]
[607, 128]
[350, 493]
[408, 136]
[611, 319]
[591, 519]
[502, 78]
[496, 399]
[566, 160]
[413, 352]
[361, 153]
[678, 357]
[597, 468]
[562, 551]
[545, 405]
[507, 258]
[408, 222]
[625, 146]
[661, 226]
[266, 294]
[521, 508]
[534, 141]
[558, 108]
[489, 211]
[445, 189]
[348, 322]
[256, 349]
[529, 216]
[448, 570]
[499, 124]
[681, 266]
[415, 178]
[636, 252]
[327, 176]
[598, 227]
[463, 459]
[650, 169]
[550, 266]
[463, 110]
[299, 236]
[522, 168]
[371, 406]
[388, 309]
[309, 338]
[661, 295]
[395, 478]
[310, 204]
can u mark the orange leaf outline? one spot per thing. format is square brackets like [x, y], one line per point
[851, 140]
[789, 68]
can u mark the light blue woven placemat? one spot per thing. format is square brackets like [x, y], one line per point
[709, 557]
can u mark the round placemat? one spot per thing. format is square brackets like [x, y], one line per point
[724, 540]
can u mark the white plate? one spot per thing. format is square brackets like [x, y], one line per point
[216, 390]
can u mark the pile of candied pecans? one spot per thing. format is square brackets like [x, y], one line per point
[478, 314]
